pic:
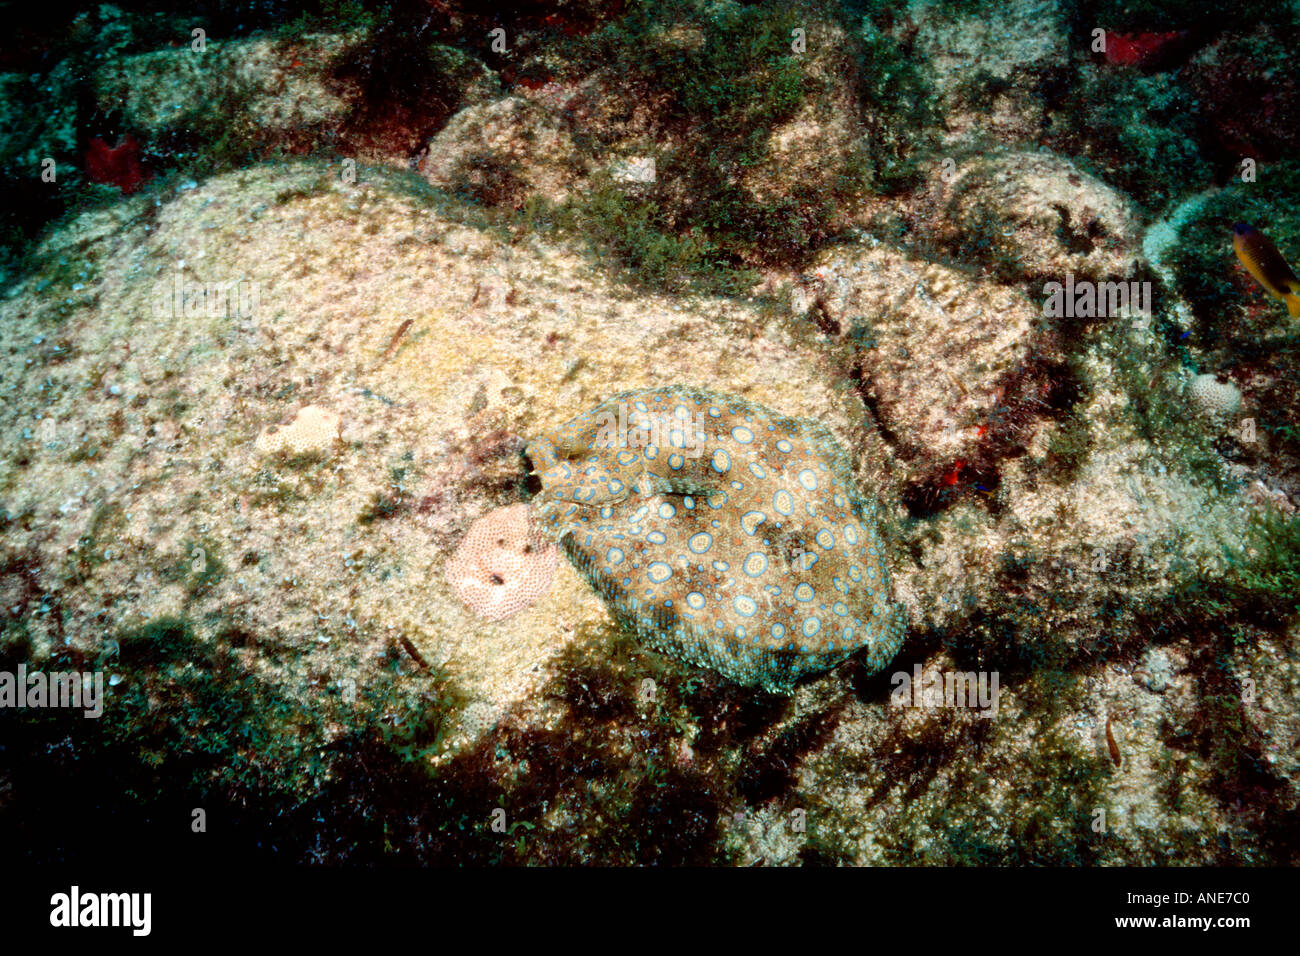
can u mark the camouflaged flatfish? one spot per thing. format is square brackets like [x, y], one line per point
[721, 532]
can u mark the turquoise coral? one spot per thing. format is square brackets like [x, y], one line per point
[721, 533]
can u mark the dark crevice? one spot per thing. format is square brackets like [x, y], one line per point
[1046, 389]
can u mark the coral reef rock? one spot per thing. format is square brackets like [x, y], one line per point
[1037, 210]
[503, 151]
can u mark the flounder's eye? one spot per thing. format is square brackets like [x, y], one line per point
[572, 451]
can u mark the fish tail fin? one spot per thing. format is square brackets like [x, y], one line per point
[1293, 300]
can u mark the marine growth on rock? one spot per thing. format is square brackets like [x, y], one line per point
[721, 532]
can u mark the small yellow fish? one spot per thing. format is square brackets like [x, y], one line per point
[1265, 263]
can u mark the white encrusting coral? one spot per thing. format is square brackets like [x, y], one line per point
[1215, 398]
[313, 429]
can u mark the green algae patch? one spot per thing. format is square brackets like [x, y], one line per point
[1260, 584]
[183, 727]
[1141, 134]
[737, 97]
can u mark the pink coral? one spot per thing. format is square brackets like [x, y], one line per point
[503, 566]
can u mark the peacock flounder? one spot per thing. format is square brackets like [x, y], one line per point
[721, 533]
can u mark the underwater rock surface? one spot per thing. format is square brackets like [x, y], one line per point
[858, 235]
[722, 533]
